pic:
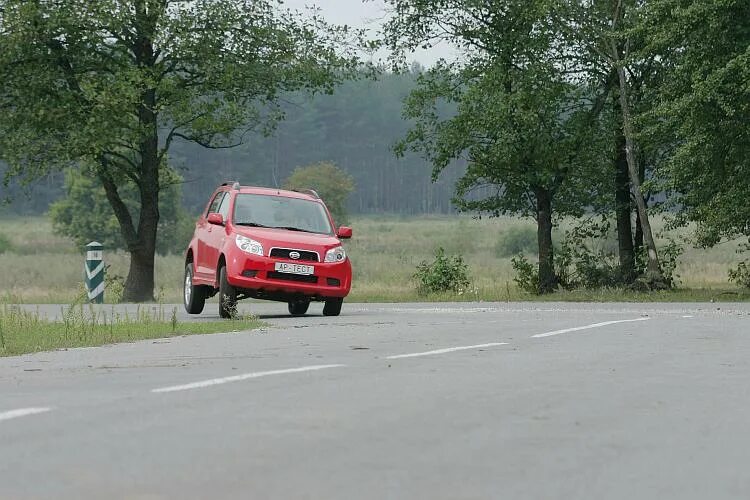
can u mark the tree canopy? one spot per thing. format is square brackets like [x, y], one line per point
[702, 110]
[110, 85]
[519, 121]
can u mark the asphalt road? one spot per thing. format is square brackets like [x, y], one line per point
[423, 401]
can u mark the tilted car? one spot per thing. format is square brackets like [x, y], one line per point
[263, 243]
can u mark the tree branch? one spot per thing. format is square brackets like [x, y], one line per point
[122, 213]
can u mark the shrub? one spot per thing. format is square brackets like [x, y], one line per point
[517, 240]
[445, 273]
[585, 260]
[85, 215]
[740, 275]
[5, 244]
[527, 274]
[669, 256]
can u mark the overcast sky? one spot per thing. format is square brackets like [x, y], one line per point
[370, 15]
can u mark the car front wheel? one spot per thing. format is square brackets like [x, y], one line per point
[298, 307]
[332, 307]
[227, 296]
[194, 296]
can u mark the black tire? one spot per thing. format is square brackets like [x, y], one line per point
[194, 296]
[332, 307]
[298, 307]
[227, 296]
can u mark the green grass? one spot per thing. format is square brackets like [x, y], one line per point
[385, 251]
[24, 332]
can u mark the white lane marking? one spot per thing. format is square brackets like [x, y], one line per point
[444, 351]
[688, 316]
[22, 412]
[239, 378]
[587, 327]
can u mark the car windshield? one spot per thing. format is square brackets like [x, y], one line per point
[281, 212]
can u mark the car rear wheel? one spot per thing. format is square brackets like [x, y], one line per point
[298, 307]
[332, 307]
[227, 296]
[194, 296]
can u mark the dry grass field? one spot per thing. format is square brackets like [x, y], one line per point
[40, 267]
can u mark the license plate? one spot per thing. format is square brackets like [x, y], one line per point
[284, 267]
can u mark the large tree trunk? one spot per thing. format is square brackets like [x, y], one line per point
[139, 285]
[654, 275]
[547, 276]
[623, 212]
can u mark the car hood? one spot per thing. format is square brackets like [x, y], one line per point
[283, 238]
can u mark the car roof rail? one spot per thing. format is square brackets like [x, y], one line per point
[235, 185]
[311, 192]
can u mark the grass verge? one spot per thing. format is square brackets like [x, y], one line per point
[511, 293]
[23, 332]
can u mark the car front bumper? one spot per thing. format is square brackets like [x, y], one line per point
[258, 277]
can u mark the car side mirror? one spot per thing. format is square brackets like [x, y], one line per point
[344, 232]
[216, 219]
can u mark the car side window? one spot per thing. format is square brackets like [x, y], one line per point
[214, 206]
[224, 208]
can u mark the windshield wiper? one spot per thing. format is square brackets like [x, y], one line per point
[292, 228]
[249, 224]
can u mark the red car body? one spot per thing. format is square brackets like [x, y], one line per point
[244, 259]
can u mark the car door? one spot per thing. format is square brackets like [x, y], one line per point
[204, 260]
[216, 237]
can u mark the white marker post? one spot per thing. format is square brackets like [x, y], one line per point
[94, 268]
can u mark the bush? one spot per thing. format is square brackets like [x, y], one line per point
[517, 240]
[85, 214]
[669, 256]
[585, 260]
[5, 244]
[527, 274]
[444, 274]
[740, 275]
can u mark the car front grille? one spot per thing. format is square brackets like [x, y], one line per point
[304, 255]
[273, 275]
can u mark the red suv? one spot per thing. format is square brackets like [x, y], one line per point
[262, 243]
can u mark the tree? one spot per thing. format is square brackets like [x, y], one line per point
[520, 122]
[702, 111]
[600, 32]
[110, 85]
[332, 184]
[85, 215]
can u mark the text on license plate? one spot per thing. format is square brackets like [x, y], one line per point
[284, 267]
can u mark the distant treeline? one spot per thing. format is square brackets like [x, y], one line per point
[355, 128]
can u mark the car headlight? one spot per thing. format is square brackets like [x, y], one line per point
[336, 255]
[248, 245]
